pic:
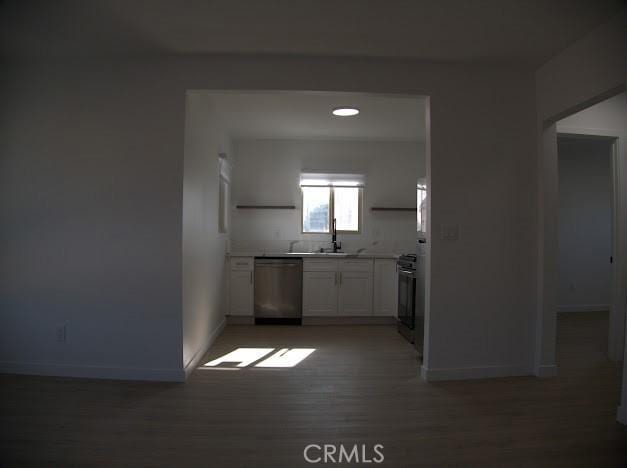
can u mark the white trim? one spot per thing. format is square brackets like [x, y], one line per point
[193, 362]
[464, 373]
[588, 131]
[621, 415]
[92, 372]
[549, 370]
[583, 308]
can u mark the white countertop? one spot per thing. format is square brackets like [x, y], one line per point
[313, 254]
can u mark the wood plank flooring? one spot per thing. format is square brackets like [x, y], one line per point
[360, 386]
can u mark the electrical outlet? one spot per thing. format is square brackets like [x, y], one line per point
[61, 333]
[449, 232]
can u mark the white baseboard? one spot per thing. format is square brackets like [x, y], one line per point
[465, 373]
[193, 362]
[546, 371]
[621, 415]
[583, 308]
[109, 372]
[92, 372]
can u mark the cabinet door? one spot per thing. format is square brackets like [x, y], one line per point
[355, 293]
[385, 287]
[320, 293]
[241, 293]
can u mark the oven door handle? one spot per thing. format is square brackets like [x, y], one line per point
[406, 272]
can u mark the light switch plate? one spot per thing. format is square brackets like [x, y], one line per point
[449, 232]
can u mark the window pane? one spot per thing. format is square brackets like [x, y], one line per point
[421, 212]
[316, 209]
[346, 208]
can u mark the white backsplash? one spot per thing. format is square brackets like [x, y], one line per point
[397, 247]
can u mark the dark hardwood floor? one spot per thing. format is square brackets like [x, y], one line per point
[360, 386]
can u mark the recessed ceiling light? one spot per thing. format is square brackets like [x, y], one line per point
[345, 111]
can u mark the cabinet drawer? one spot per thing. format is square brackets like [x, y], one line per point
[319, 264]
[242, 263]
[362, 264]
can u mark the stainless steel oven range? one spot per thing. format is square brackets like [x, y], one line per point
[406, 268]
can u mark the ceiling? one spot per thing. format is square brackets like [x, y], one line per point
[300, 115]
[523, 33]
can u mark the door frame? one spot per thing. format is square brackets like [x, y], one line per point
[618, 288]
[547, 241]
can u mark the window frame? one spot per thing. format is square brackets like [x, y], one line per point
[332, 209]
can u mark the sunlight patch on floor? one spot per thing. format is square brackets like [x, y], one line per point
[247, 357]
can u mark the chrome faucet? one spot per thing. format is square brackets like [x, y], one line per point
[292, 244]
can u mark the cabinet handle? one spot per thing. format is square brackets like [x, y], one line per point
[340, 278]
[336, 278]
[251, 277]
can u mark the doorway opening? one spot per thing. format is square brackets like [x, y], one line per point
[586, 247]
[280, 177]
[604, 120]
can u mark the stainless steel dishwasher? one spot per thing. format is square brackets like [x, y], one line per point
[278, 290]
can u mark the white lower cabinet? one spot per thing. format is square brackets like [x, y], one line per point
[319, 293]
[241, 287]
[343, 289]
[355, 293]
[331, 287]
[385, 287]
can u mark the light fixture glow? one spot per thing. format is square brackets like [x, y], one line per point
[345, 111]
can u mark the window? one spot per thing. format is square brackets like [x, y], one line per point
[316, 209]
[327, 197]
[421, 203]
[224, 195]
[346, 208]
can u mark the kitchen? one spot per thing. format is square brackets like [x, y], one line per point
[318, 211]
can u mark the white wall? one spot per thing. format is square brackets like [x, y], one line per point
[90, 222]
[92, 165]
[588, 68]
[267, 172]
[585, 224]
[204, 247]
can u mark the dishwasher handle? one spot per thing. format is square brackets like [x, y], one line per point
[277, 262]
